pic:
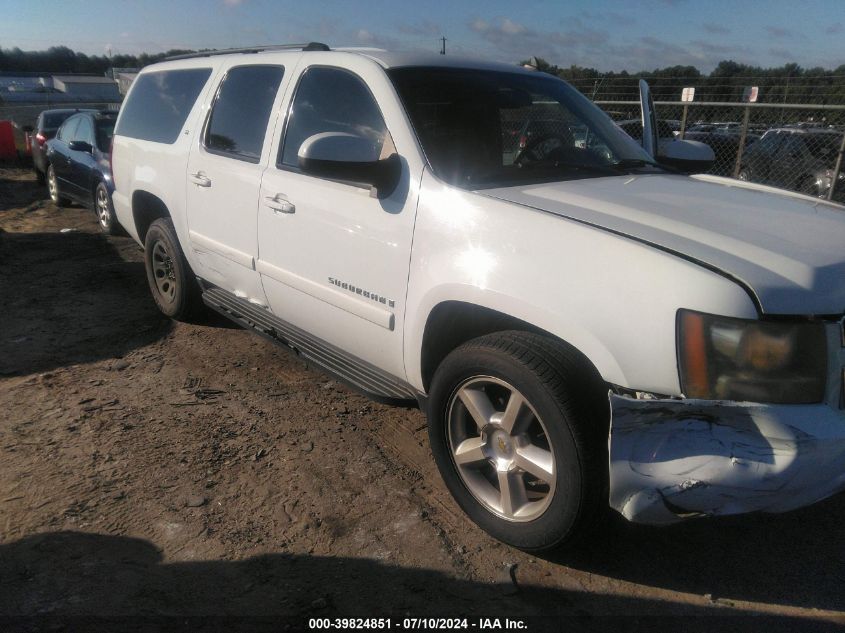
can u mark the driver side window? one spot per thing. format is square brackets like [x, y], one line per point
[331, 100]
[68, 130]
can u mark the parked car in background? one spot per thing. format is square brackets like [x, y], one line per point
[78, 166]
[724, 144]
[801, 159]
[45, 129]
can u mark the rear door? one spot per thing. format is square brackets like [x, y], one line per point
[224, 176]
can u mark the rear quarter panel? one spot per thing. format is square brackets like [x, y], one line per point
[159, 168]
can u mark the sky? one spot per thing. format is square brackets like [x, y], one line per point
[604, 34]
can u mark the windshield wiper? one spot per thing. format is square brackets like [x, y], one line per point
[555, 164]
[628, 163]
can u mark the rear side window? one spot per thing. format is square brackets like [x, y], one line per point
[105, 130]
[238, 119]
[68, 129]
[160, 102]
[85, 131]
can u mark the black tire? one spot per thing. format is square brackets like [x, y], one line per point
[105, 211]
[807, 186]
[567, 394]
[744, 174]
[171, 280]
[54, 190]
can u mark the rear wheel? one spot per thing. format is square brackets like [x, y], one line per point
[105, 210]
[744, 174]
[53, 188]
[518, 428]
[807, 186]
[170, 278]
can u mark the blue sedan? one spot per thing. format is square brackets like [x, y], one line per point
[78, 167]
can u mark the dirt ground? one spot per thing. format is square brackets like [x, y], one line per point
[195, 474]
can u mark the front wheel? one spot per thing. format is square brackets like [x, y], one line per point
[518, 428]
[172, 283]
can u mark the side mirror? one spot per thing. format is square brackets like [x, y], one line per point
[80, 146]
[343, 156]
[649, 120]
[691, 157]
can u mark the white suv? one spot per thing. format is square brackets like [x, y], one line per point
[366, 209]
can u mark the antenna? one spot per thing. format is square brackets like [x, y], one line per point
[443, 45]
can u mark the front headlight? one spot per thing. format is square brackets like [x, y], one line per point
[722, 358]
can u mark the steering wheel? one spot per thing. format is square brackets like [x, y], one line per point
[541, 146]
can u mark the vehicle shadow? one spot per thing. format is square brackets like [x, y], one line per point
[15, 193]
[70, 298]
[796, 559]
[67, 580]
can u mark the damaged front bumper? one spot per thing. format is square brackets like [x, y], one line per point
[674, 459]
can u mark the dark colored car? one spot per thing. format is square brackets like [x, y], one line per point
[45, 129]
[800, 159]
[724, 145]
[78, 165]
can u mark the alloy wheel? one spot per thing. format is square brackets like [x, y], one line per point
[52, 186]
[103, 211]
[163, 271]
[501, 449]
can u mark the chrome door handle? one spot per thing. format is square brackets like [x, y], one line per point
[279, 204]
[200, 179]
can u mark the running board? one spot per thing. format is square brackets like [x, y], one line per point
[354, 372]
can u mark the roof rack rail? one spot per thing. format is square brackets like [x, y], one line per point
[310, 46]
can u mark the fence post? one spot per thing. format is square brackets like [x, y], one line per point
[836, 170]
[742, 136]
[684, 121]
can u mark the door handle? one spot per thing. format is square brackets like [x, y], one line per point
[200, 179]
[279, 204]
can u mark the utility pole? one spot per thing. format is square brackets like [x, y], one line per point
[443, 45]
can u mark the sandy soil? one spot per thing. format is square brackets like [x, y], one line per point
[151, 469]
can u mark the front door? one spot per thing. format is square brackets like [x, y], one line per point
[334, 258]
[224, 176]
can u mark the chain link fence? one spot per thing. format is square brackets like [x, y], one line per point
[791, 146]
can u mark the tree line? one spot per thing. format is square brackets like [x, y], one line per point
[789, 83]
[61, 59]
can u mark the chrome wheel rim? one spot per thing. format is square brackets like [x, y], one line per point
[103, 212]
[743, 175]
[501, 449]
[52, 185]
[163, 272]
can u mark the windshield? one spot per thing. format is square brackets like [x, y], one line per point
[483, 128]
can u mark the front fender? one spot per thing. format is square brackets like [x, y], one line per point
[612, 298]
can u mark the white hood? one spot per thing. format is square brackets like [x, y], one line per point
[787, 248]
